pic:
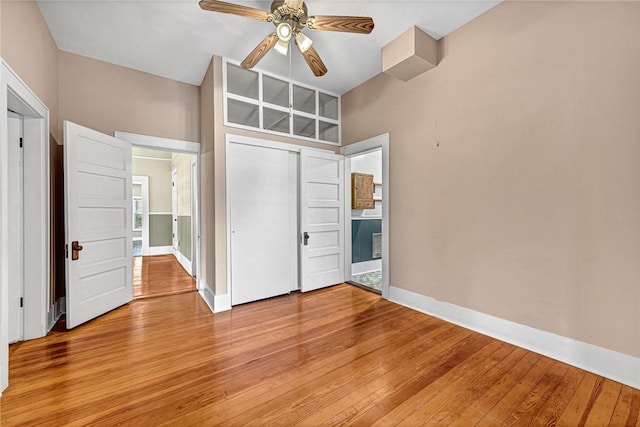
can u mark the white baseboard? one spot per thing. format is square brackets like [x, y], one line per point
[184, 262]
[601, 361]
[222, 303]
[217, 303]
[207, 295]
[55, 311]
[366, 266]
[161, 250]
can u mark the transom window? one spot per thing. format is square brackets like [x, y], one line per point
[259, 101]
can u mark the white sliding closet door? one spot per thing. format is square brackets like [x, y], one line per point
[262, 204]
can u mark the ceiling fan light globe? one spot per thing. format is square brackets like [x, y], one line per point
[304, 42]
[284, 31]
[282, 47]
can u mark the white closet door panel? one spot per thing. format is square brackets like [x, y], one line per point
[262, 221]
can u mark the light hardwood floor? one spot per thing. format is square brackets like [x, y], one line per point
[332, 357]
[160, 275]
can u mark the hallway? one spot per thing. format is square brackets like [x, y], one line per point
[160, 275]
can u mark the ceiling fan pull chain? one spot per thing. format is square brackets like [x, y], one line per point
[290, 87]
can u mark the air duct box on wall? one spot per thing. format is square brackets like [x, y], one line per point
[410, 55]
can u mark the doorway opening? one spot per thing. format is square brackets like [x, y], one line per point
[163, 235]
[366, 223]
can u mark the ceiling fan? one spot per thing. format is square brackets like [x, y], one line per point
[290, 17]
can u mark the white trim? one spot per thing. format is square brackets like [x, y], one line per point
[57, 310]
[136, 239]
[184, 262]
[161, 250]
[222, 303]
[158, 143]
[265, 143]
[36, 205]
[144, 182]
[216, 303]
[160, 213]
[163, 159]
[366, 266]
[377, 142]
[206, 294]
[601, 361]
[195, 217]
[174, 208]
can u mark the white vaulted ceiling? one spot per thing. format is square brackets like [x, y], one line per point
[176, 39]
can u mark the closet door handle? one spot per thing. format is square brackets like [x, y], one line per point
[306, 238]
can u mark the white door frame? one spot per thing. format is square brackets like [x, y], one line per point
[174, 210]
[175, 146]
[371, 144]
[195, 202]
[143, 181]
[16, 95]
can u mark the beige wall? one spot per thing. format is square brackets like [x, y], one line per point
[109, 97]
[159, 173]
[182, 164]
[93, 93]
[28, 47]
[145, 152]
[515, 169]
[207, 176]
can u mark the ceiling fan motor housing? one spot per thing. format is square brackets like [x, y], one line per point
[296, 19]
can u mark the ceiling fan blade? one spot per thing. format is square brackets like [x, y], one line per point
[260, 51]
[293, 4]
[235, 9]
[345, 24]
[313, 61]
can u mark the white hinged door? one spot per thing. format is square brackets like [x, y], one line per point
[98, 219]
[321, 219]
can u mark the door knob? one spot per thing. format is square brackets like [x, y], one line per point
[306, 238]
[75, 250]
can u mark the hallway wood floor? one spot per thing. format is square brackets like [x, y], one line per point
[332, 357]
[160, 275]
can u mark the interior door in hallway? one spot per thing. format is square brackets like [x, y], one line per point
[321, 219]
[98, 223]
[174, 209]
[261, 191]
[16, 228]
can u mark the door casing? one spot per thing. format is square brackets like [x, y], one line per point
[176, 146]
[38, 314]
[375, 143]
